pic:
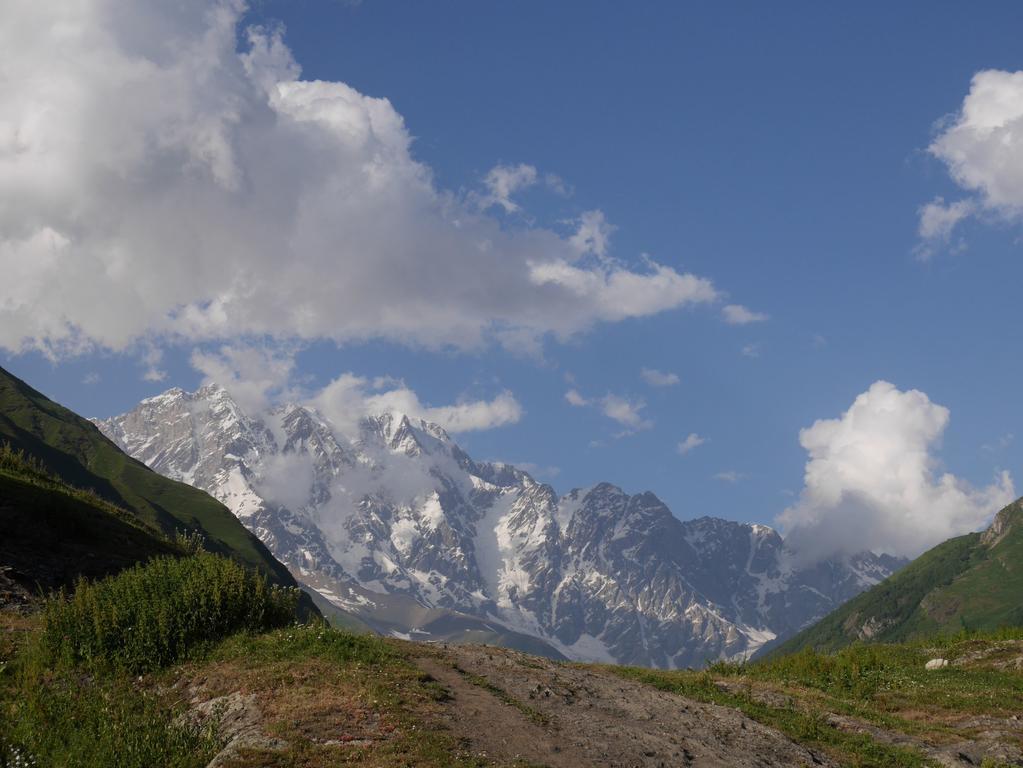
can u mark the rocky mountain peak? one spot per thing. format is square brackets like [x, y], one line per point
[396, 511]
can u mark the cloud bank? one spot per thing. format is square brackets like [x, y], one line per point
[872, 481]
[157, 183]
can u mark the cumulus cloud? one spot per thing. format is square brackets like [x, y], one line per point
[736, 314]
[873, 481]
[982, 147]
[691, 442]
[157, 183]
[656, 378]
[348, 398]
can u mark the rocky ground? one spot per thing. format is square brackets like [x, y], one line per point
[511, 707]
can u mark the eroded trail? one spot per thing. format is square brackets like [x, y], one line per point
[514, 707]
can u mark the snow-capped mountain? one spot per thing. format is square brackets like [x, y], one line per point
[397, 525]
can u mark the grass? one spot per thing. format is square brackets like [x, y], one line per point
[808, 727]
[321, 686]
[64, 718]
[103, 677]
[885, 685]
[52, 532]
[17, 464]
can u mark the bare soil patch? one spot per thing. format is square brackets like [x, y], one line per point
[513, 707]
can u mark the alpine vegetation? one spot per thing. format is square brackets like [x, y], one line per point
[152, 615]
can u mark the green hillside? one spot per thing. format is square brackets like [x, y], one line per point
[973, 582]
[53, 534]
[74, 450]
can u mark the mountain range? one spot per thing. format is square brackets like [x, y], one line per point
[396, 528]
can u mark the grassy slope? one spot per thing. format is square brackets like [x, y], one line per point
[52, 535]
[963, 583]
[74, 449]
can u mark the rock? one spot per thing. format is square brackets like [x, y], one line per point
[936, 664]
[238, 722]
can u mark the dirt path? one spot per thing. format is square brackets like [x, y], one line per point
[514, 707]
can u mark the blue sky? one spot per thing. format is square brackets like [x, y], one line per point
[779, 151]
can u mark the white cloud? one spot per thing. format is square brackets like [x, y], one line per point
[91, 378]
[656, 378]
[736, 314]
[348, 398]
[255, 376]
[626, 412]
[503, 181]
[575, 399]
[730, 476]
[937, 222]
[152, 357]
[982, 147]
[691, 442]
[620, 409]
[157, 185]
[538, 471]
[593, 235]
[751, 351]
[873, 482]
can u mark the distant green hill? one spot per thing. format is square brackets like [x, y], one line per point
[77, 453]
[972, 582]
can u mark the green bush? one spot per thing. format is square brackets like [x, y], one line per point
[152, 615]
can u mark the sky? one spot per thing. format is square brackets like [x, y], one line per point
[762, 260]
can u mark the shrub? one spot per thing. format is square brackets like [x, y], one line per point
[152, 615]
[17, 462]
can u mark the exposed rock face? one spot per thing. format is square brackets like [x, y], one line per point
[1002, 524]
[399, 508]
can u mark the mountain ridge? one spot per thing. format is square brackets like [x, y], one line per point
[398, 508]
